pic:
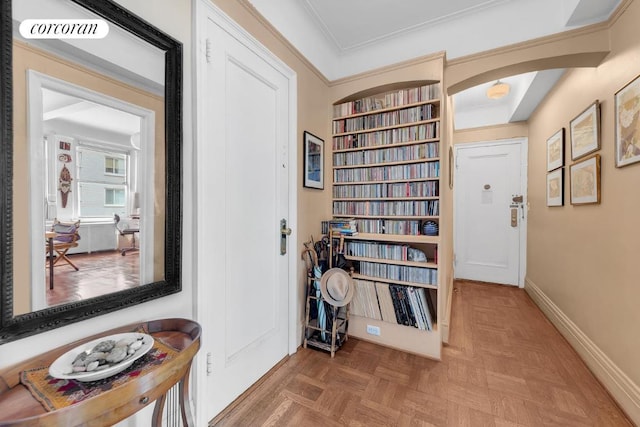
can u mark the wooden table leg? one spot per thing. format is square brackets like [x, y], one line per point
[50, 263]
[156, 421]
[185, 406]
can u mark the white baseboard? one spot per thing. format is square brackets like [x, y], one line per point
[620, 386]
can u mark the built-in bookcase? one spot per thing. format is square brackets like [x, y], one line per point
[386, 175]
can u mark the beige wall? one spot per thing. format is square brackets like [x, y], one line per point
[584, 257]
[491, 133]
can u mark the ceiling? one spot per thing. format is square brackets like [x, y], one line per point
[81, 114]
[345, 37]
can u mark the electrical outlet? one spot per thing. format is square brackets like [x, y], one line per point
[373, 330]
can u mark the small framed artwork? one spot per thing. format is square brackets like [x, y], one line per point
[585, 181]
[555, 151]
[555, 188]
[313, 161]
[628, 124]
[585, 132]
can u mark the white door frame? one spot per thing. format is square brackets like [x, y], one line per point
[37, 81]
[524, 146]
[204, 10]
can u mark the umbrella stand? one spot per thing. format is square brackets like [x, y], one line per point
[315, 273]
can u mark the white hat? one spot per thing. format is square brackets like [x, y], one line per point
[336, 287]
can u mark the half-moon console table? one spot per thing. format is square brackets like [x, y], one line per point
[18, 407]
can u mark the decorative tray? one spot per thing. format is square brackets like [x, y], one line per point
[102, 357]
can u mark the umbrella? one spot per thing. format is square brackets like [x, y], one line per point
[316, 273]
[322, 314]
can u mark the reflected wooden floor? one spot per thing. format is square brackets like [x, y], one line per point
[506, 365]
[99, 273]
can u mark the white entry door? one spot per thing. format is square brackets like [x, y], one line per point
[490, 212]
[243, 193]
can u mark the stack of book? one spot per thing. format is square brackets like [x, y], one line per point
[345, 226]
[404, 305]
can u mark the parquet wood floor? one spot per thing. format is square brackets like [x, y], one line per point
[99, 273]
[505, 366]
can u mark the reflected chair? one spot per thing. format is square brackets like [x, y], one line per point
[128, 230]
[66, 237]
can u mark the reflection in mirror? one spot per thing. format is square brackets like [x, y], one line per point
[91, 150]
[91, 161]
[78, 122]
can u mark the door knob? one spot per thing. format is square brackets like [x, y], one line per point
[284, 232]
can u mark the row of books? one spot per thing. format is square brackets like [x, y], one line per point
[391, 118]
[399, 189]
[346, 226]
[387, 137]
[388, 100]
[383, 173]
[389, 226]
[396, 154]
[403, 305]
[409, 207]
[387, 251]
[400, 273]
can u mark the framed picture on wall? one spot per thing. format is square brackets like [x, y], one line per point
[585, 132]
[555, 188]
[628, 124]
[555, 151]
[313, 161]
[585, 181]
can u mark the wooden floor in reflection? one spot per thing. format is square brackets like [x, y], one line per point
[99, 273]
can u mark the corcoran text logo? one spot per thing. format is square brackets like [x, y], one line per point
[64, 28]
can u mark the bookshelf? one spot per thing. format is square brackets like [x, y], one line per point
[386, 152]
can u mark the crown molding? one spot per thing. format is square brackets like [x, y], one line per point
[622, 7]
[552, 38]
[278, 35]
[388, 68]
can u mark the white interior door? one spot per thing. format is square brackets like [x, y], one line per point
[489, 215]
[243, 193]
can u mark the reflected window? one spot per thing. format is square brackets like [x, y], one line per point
[114, 197]
[103, 180]
[114, 166]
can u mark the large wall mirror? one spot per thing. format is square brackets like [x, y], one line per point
[90, 167]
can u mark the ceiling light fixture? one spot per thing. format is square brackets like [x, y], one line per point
[498, 90]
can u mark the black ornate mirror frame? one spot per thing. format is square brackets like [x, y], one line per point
[13, 328]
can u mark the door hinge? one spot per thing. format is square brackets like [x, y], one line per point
[455, 259]
[207, 50]
[209, 363]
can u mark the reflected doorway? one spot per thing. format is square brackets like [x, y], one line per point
[91, 162]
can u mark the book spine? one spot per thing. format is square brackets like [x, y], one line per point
[397, 305]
